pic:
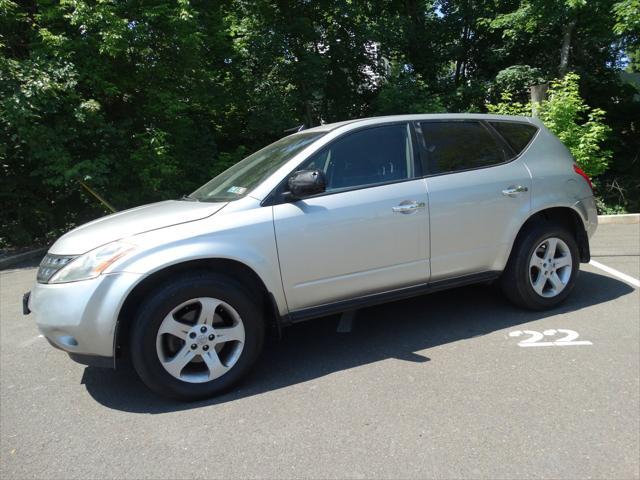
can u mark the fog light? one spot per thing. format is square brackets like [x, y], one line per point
[67, 340]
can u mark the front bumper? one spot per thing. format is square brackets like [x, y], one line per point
[80, 317]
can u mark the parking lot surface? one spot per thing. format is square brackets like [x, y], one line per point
[446, 385]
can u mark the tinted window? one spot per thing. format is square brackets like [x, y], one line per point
[517, 135]
[367, 157]
[452, 146]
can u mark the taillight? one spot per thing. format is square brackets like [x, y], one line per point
[580, 172]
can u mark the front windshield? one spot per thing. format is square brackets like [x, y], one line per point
[244, 176]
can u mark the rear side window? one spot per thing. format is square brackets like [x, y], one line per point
[517, 135]
[453, 146]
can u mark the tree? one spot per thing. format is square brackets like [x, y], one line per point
[627, 17]
[125, 96]
[146, 99]
[580, 127]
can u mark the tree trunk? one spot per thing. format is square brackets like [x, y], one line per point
[538, 94]
[456, 75]
[461, 62]
[308, 114]
[415, 36]
[565, 48]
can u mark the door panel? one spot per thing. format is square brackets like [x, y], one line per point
[353, 243]
[472, 222]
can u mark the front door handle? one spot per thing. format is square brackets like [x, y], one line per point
[513, 190]
[408, 206]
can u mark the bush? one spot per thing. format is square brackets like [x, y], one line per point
[517, 79]
[580, 127]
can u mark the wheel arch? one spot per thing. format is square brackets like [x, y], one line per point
[237, 270]
[560, 215]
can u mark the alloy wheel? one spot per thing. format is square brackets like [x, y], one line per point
[200, 340]
[550, 267]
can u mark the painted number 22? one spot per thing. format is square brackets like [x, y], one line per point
[535, 338]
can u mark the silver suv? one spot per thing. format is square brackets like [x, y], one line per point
[323, 221]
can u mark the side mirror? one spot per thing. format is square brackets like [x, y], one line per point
[305, 183]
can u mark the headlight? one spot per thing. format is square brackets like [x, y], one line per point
[86, 266]
[50, 264]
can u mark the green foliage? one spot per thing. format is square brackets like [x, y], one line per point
[627, 13]
[146, 100]
[580, 127]
[508, 106]
[405, 92]
[605, 208]
[517, 79]
[627, 18]
[124, 96]
[565, 113]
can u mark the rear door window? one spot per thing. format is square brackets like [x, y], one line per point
[452, 146]
[517, 135]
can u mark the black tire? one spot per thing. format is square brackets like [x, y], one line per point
[515, 280]
[171, 294]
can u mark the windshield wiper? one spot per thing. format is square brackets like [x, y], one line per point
[189, 198]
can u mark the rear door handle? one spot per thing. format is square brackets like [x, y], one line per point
[513, 190]
[408, 206]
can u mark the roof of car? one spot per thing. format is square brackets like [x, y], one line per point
[327, 127]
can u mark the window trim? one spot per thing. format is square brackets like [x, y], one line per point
[424, 155]
[275, 196]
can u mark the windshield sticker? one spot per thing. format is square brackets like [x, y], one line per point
[237, 190]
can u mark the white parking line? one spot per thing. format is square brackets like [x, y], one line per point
[622, 276]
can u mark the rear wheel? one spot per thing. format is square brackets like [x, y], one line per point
[196, 336]
[543, 267]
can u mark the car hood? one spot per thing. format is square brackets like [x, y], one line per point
[131, 222]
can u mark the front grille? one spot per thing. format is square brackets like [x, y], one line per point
[50, 264]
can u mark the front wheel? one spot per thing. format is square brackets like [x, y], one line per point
[196, 336]
[542, 269]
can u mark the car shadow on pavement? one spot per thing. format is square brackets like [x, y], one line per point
[395, 330]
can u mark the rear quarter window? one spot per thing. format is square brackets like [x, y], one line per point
[517, 135]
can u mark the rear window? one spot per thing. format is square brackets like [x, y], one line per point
[517, 135]
[460, 145]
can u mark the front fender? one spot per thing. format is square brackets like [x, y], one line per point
[246, 237]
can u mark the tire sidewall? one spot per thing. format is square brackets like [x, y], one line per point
[157, 307]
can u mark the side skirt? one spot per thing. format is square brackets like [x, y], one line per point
[386, 297]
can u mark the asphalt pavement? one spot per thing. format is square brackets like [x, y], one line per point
[458, 384]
